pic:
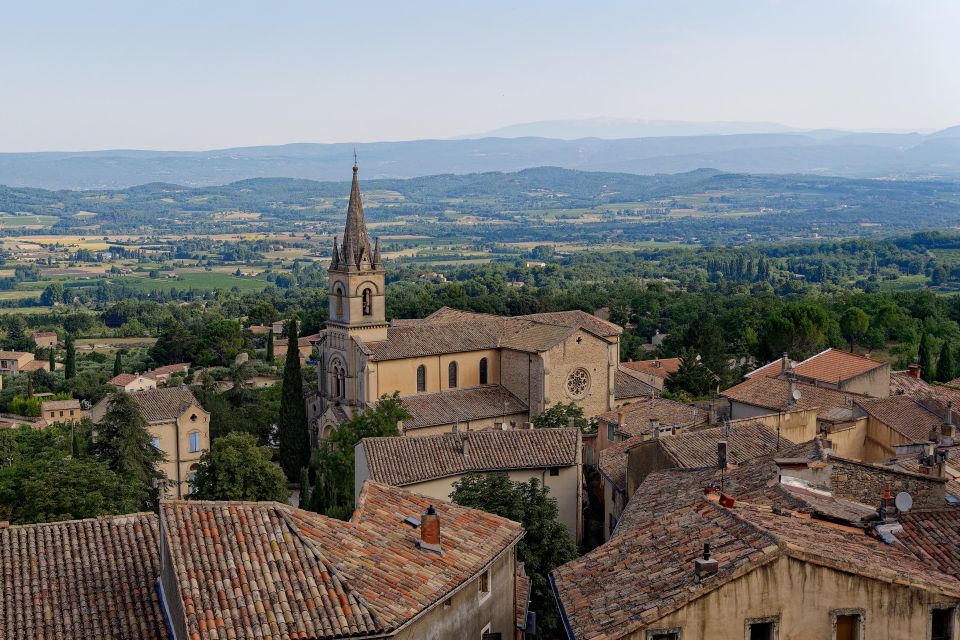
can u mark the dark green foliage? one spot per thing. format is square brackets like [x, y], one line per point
[117, 364]
[946, 365]
[237, 468]
[332, 493]
[692, 378]
[124, 444]
[219, 342]
[270, 356]
[304, 486]
[558, 416]
[292, 434]
[925, 358]
[70, 358]
[854, 324]
[174, 344]
[547, 543]
[241, 408]
[53, 359]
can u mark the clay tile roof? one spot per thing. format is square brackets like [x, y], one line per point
[613, 461]
[935, 536]
[159, 405]
[407, 460]
[521, 595]
[834, 365]
[771, 369]
[179, 367]
[44, 334]
[637, 415]
[906, 415]
[14, 355]
[269, 570]
[627, 385]
[460, 405]
[645, 571]
[773, 393]
[578, 319]
[122, 379]
[902, 383]
[660, 367]
[55, 405]
[83, 579]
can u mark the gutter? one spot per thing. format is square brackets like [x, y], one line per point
[563, 612]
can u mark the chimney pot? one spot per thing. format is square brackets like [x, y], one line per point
[914, 370]
[784, 362]
[704, 566]
[430, 531]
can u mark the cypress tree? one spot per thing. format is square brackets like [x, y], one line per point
[53, 359]
[925, 358]
[294, 439]
[946, 366]
[117, 365]
[304, 488]
[270, 356]
[70, 359]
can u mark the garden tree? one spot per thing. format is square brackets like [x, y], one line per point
[547, 543]
[43, 480]
[946, 365]
[692, 377]
[292, 434]
[332, 493]
[175, 343]
[125, 445]
[52, 295]
[559, 416]
[798, 328]
[69, 358]
[238, 468]
[117, 364]
[262, 313]
[219, 342]
[270, 356]
[854, 324]
[925, 358]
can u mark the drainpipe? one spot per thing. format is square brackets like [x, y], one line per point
[529, 396]
[176, 424]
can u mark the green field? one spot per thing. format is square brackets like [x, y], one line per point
[8, 221]
[203, 280]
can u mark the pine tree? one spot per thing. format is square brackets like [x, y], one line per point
[117, 365]
[270, 356]
[925, 358]
[70, 359]
[292, 431]
[946, 365]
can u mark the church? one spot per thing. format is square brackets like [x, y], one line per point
[455, 369]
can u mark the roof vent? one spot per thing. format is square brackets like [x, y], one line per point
[430, 531]
[705, 566]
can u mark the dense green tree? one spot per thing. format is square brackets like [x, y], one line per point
[69, 358]
[117, 364]
[925, 358]
[53, 359]
[559, 416]
[237, 468]
[219, 342]
[175, 344]
[52, 295]
[547, 543]
[124, 443]
[800, 329]
[946, 365]
[270, 356]
[304, 486]
[854, 324]
[332, 492]
[691, 378]
[292, 434]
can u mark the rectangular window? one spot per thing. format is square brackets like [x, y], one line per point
[761, 631]
[554, 471]
[483, 585]
[847, 627]
[666, 635]
[156, 442]
[194, 441]
[941, 624]
[611, 431]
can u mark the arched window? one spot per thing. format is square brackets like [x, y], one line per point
[452, 375]
[342, 383]
[421, 379]
[483, 371]
[338, 293]
[367, 297]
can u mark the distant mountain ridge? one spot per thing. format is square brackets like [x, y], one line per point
[617, 128]
[855, 155]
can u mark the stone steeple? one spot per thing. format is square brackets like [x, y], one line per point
[356, 240]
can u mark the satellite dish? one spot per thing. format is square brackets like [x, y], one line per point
[904, 502]
[796, 394]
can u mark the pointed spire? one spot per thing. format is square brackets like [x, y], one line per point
[356, 240]
[335, 259]
[376, 253]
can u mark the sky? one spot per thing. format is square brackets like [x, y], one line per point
[209, 74]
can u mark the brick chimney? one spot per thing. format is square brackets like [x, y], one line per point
[784, 363]
[430, 531]
[914, 371]
[703, 567]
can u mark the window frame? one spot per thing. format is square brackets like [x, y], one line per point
[611, 432]
[484, 579]
[860, 613]
[190, 440]
[422, 378]
[676, 631]
[484, 371]
[453, 375]
[771, 620]
[366, 302]
[943, 606]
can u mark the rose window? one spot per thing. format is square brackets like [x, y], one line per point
[578, 383]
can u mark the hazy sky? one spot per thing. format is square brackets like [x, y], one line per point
[208, 74]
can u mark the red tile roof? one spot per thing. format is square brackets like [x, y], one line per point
[627, 386]
[660, 367]
[637, 415]
[460, 405]
[774, 394]
[167, 403]
[906, 415]
[270, 570]
[84, 579]
[934, 535]
[122, 380]
[834, 365]
[408, 460]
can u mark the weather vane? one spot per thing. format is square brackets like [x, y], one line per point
[354, 155]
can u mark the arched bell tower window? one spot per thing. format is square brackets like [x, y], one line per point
[452, 375]
[338, 295]
[367, 302]
[421, 379]
[483, 371]
[339, 380]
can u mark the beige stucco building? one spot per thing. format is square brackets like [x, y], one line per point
[179, 426]
[464, 367]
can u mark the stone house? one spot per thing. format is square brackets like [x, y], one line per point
[14, 362]
[53, 411]
[45, 339]
[161, 375]
[179, 426]
[431, 465]
[131, 382]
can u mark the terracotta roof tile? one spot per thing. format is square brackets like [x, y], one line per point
[660, 367]
[774, 394]
[168, 403]
[404, 460]
[55, 405]
[83, 579]
[627, 385]
[637, 415]
[835, 365]
[910, 417]
[935, 536]
[122, 379]
[460, 405]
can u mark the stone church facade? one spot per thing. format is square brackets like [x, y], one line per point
[455, 368]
